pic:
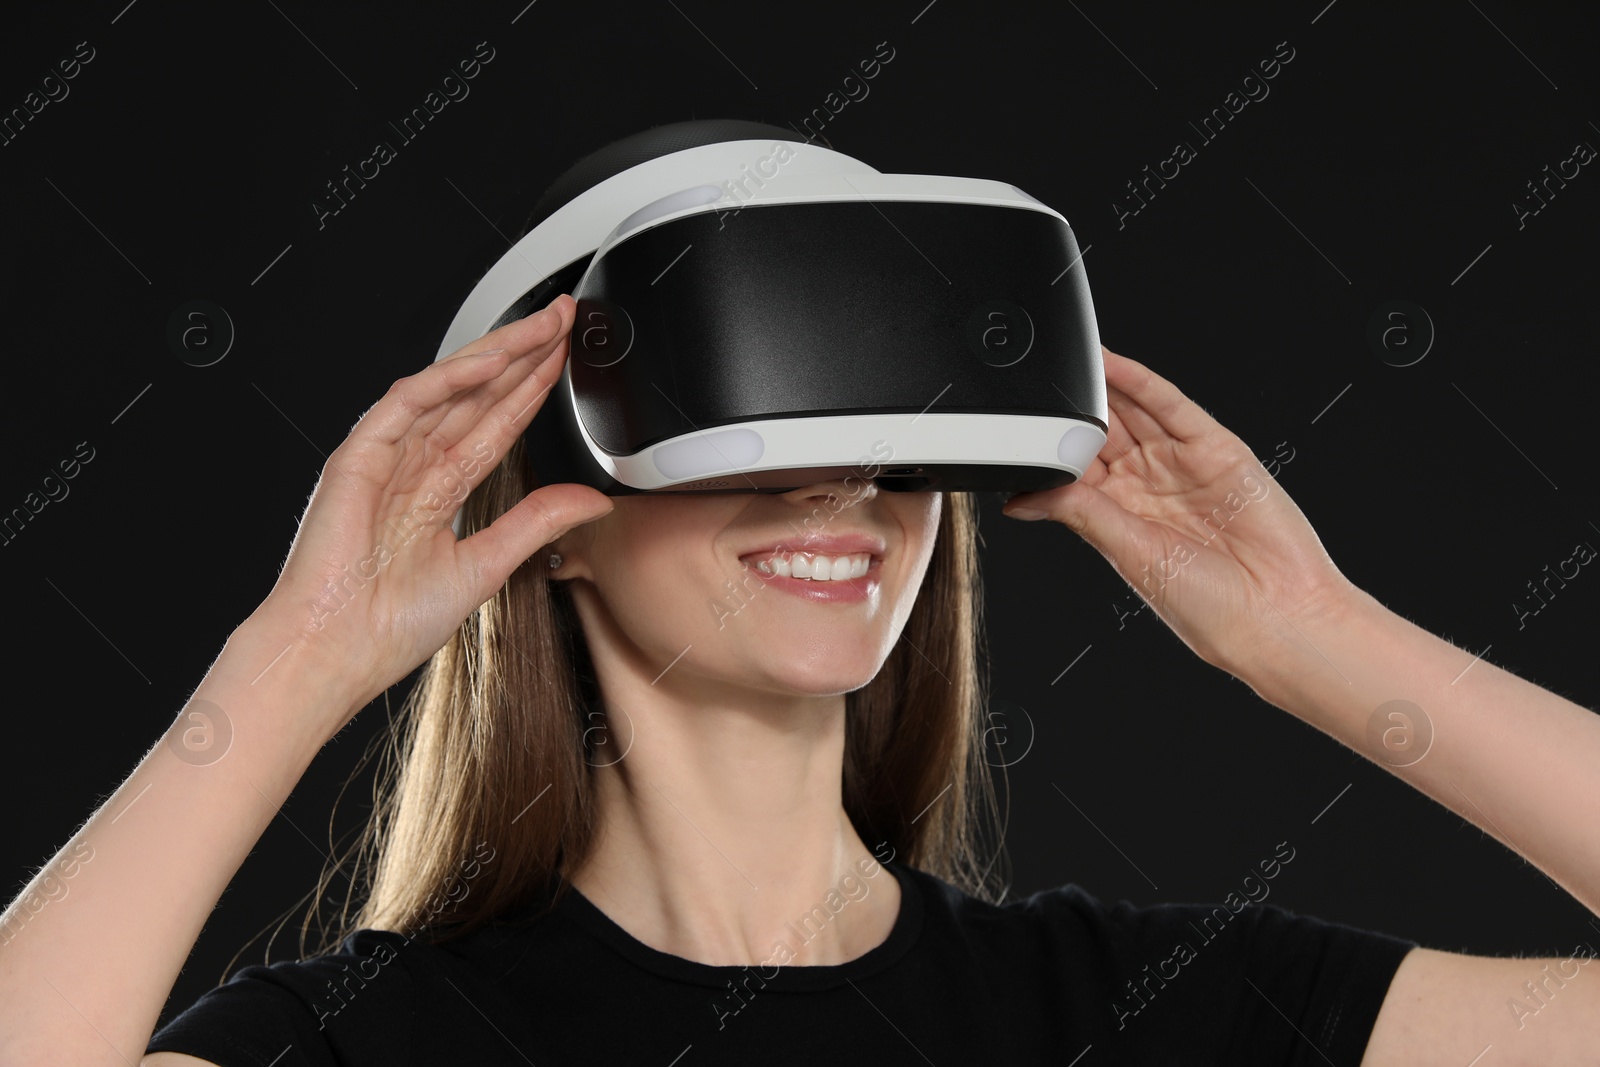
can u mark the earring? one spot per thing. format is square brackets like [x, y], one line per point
[555, 560]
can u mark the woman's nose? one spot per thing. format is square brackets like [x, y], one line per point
[850, 489]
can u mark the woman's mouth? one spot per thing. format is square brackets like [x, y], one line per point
[818, 577]
[813, 566]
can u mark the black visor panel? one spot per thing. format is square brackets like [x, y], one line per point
[789, 310]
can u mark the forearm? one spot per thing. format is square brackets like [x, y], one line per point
[1512, 758]
[90, 950]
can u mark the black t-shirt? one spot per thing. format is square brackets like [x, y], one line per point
[1042, 980]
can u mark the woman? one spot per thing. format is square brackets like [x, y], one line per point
[738, 868]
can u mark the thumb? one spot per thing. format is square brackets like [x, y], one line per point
[537, 519]
[1088, 512]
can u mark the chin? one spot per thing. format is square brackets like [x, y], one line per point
[822, 683]
[836, 661]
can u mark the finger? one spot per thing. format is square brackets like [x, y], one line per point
[1096, 472]
[1121, 443]
[417, 398]
[1118, 439]
[368, 455]
[1141, 426]
[1122, 450]
[496, 416]
[1092, 514]
[1118, 436]
[531, 341]
[481, 448]
[519, 335]
[447, 425]
[1175, 414]
[408, 399]
[539, 518]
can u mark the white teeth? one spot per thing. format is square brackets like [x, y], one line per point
[817, 568]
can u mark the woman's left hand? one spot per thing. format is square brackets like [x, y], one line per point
[1182, 509]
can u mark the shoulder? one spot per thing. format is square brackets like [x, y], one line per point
[1071, 908]
[357, 1003]
[1042, 928]
[1065, 907]
[358, 989]
[1249, 976]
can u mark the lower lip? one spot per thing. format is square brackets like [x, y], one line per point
[849, 591]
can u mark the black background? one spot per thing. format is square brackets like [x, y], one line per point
[1385, 161]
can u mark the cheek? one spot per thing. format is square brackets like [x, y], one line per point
[922, 532]
[922, 529]
[668, 604]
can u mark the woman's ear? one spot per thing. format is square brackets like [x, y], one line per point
[566, 555]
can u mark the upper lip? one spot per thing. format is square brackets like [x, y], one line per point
[841, 544]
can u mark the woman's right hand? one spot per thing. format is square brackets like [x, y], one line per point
[376, 580]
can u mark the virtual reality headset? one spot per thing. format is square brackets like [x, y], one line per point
[756, 313]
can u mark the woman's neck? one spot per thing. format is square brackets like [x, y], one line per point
[722, 834]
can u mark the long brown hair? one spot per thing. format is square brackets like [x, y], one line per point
[486, 794]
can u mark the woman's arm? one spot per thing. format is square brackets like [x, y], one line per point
[91, 949]
[1515, 760]
[1186, 515]
[375, 583]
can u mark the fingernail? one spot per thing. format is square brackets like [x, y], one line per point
[463, 355]
[1025, 513]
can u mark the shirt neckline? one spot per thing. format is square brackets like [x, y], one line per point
[582, 913]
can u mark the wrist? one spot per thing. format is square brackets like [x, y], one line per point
[1288, 643]
[310, 674]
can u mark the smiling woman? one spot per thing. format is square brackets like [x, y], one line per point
[522, 896]
[618, 628]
